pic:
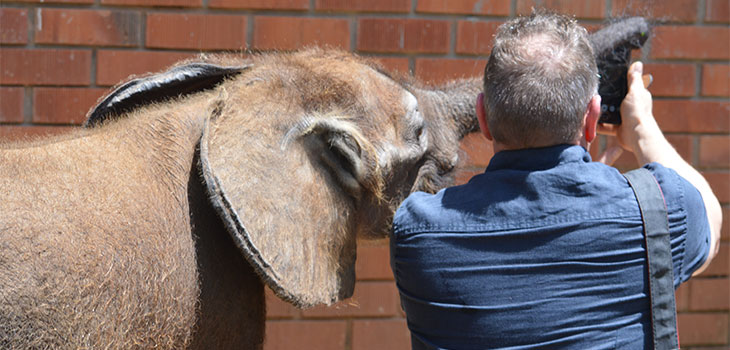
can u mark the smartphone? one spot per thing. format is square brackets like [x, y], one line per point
[613, 84]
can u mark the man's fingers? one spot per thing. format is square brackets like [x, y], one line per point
[606, 129]
[635, 71]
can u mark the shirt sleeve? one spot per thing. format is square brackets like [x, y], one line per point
[697, 245]
[688, 224]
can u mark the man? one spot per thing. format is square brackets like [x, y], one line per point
[545, 248]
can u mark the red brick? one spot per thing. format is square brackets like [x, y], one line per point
[371, 299]
[260, 4]
[716, 80]
[725, 232]
[715, 151]
[288, 33]
[380, 334]
[681, 296]
[196, 31]
[87, 27]
[578, 8]
[683, 145]
[439, 70]
[394, 64]
[13, 26]
[321, 335]
[16, 133]
[708, 294]
[45, 67]
[373, 261]
[149, 3]
[57, 1]
[669, 10]
[11, 104]
[720, 183]
[399, 6]
[277, 308]
[672, 79]
[475, 38]
[63, 105]
[691, 42]
[720, 265]
[403, 35]
[114, 66]
[478, 150]
[692, 116]
[465, 7]
[717, 11]
[702, 329]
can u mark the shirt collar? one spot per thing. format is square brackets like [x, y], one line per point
[538, 158]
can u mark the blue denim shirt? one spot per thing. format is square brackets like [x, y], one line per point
[545, 249]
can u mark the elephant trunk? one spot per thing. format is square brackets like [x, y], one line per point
[450, 111]
[453, 105]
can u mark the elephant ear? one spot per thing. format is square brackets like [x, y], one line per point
[178, 81]
[285, 193]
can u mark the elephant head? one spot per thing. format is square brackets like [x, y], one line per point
[302, 152]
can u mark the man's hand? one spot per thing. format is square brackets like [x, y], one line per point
[638, 127]
[640, 134]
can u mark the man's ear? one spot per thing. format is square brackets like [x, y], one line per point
[593, 112]
[482, 116]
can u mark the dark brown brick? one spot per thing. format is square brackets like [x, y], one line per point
[88, 27]
[45, 67]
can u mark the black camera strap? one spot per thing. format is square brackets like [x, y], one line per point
[659, 257]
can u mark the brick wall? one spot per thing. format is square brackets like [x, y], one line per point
[58, 56]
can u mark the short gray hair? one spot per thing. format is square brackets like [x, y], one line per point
[539, 80]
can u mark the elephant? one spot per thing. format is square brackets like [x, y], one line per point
[159, 223]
